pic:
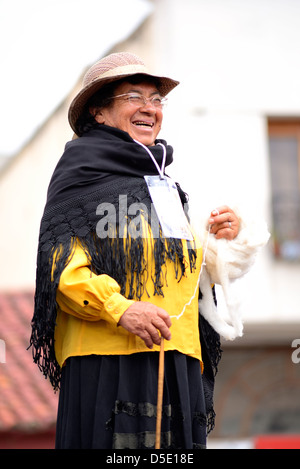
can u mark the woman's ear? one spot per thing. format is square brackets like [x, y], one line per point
[97, 114]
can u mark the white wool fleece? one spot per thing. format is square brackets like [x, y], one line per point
[224, 262]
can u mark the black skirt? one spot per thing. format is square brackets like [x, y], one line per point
[110, 402]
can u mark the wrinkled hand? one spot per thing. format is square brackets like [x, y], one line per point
[224, 223]
[147, 321]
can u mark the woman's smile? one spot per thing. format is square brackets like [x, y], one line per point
[141, 120]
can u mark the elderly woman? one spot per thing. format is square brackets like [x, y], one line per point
[118, 270]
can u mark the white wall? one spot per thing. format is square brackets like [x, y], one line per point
[23, 190]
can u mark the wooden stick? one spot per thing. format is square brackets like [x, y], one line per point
[160, 389]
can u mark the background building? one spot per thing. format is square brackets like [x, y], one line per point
[234, 123]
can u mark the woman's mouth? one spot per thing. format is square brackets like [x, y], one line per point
[144, 124]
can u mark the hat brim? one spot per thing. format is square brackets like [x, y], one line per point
[165, 86]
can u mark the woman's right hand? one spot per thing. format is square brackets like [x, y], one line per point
[147, 321]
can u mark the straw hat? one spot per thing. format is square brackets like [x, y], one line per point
[109, 69]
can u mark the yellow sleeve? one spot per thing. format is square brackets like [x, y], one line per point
[89, 296]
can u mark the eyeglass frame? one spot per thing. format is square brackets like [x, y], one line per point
[163, 99]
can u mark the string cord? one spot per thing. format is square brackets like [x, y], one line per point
[198, 281]
[162, 169]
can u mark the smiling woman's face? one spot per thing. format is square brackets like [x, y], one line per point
[142, 123]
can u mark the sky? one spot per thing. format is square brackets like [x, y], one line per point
[45, 47]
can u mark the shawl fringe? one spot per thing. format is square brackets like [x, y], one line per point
[120, 256]
[211, 356]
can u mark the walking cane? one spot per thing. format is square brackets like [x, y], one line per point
[160, 389]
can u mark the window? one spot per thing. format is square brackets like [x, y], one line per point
[284, 148]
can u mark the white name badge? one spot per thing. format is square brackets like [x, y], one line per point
[168, 207]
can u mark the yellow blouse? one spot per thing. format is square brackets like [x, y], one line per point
[90, 307]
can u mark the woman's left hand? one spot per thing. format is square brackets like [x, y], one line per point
[224, 223]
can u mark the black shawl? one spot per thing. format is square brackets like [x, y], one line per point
[97, 168]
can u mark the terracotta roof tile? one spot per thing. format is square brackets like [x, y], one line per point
[27, 402]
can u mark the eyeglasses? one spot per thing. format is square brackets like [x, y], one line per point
[140, 100]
